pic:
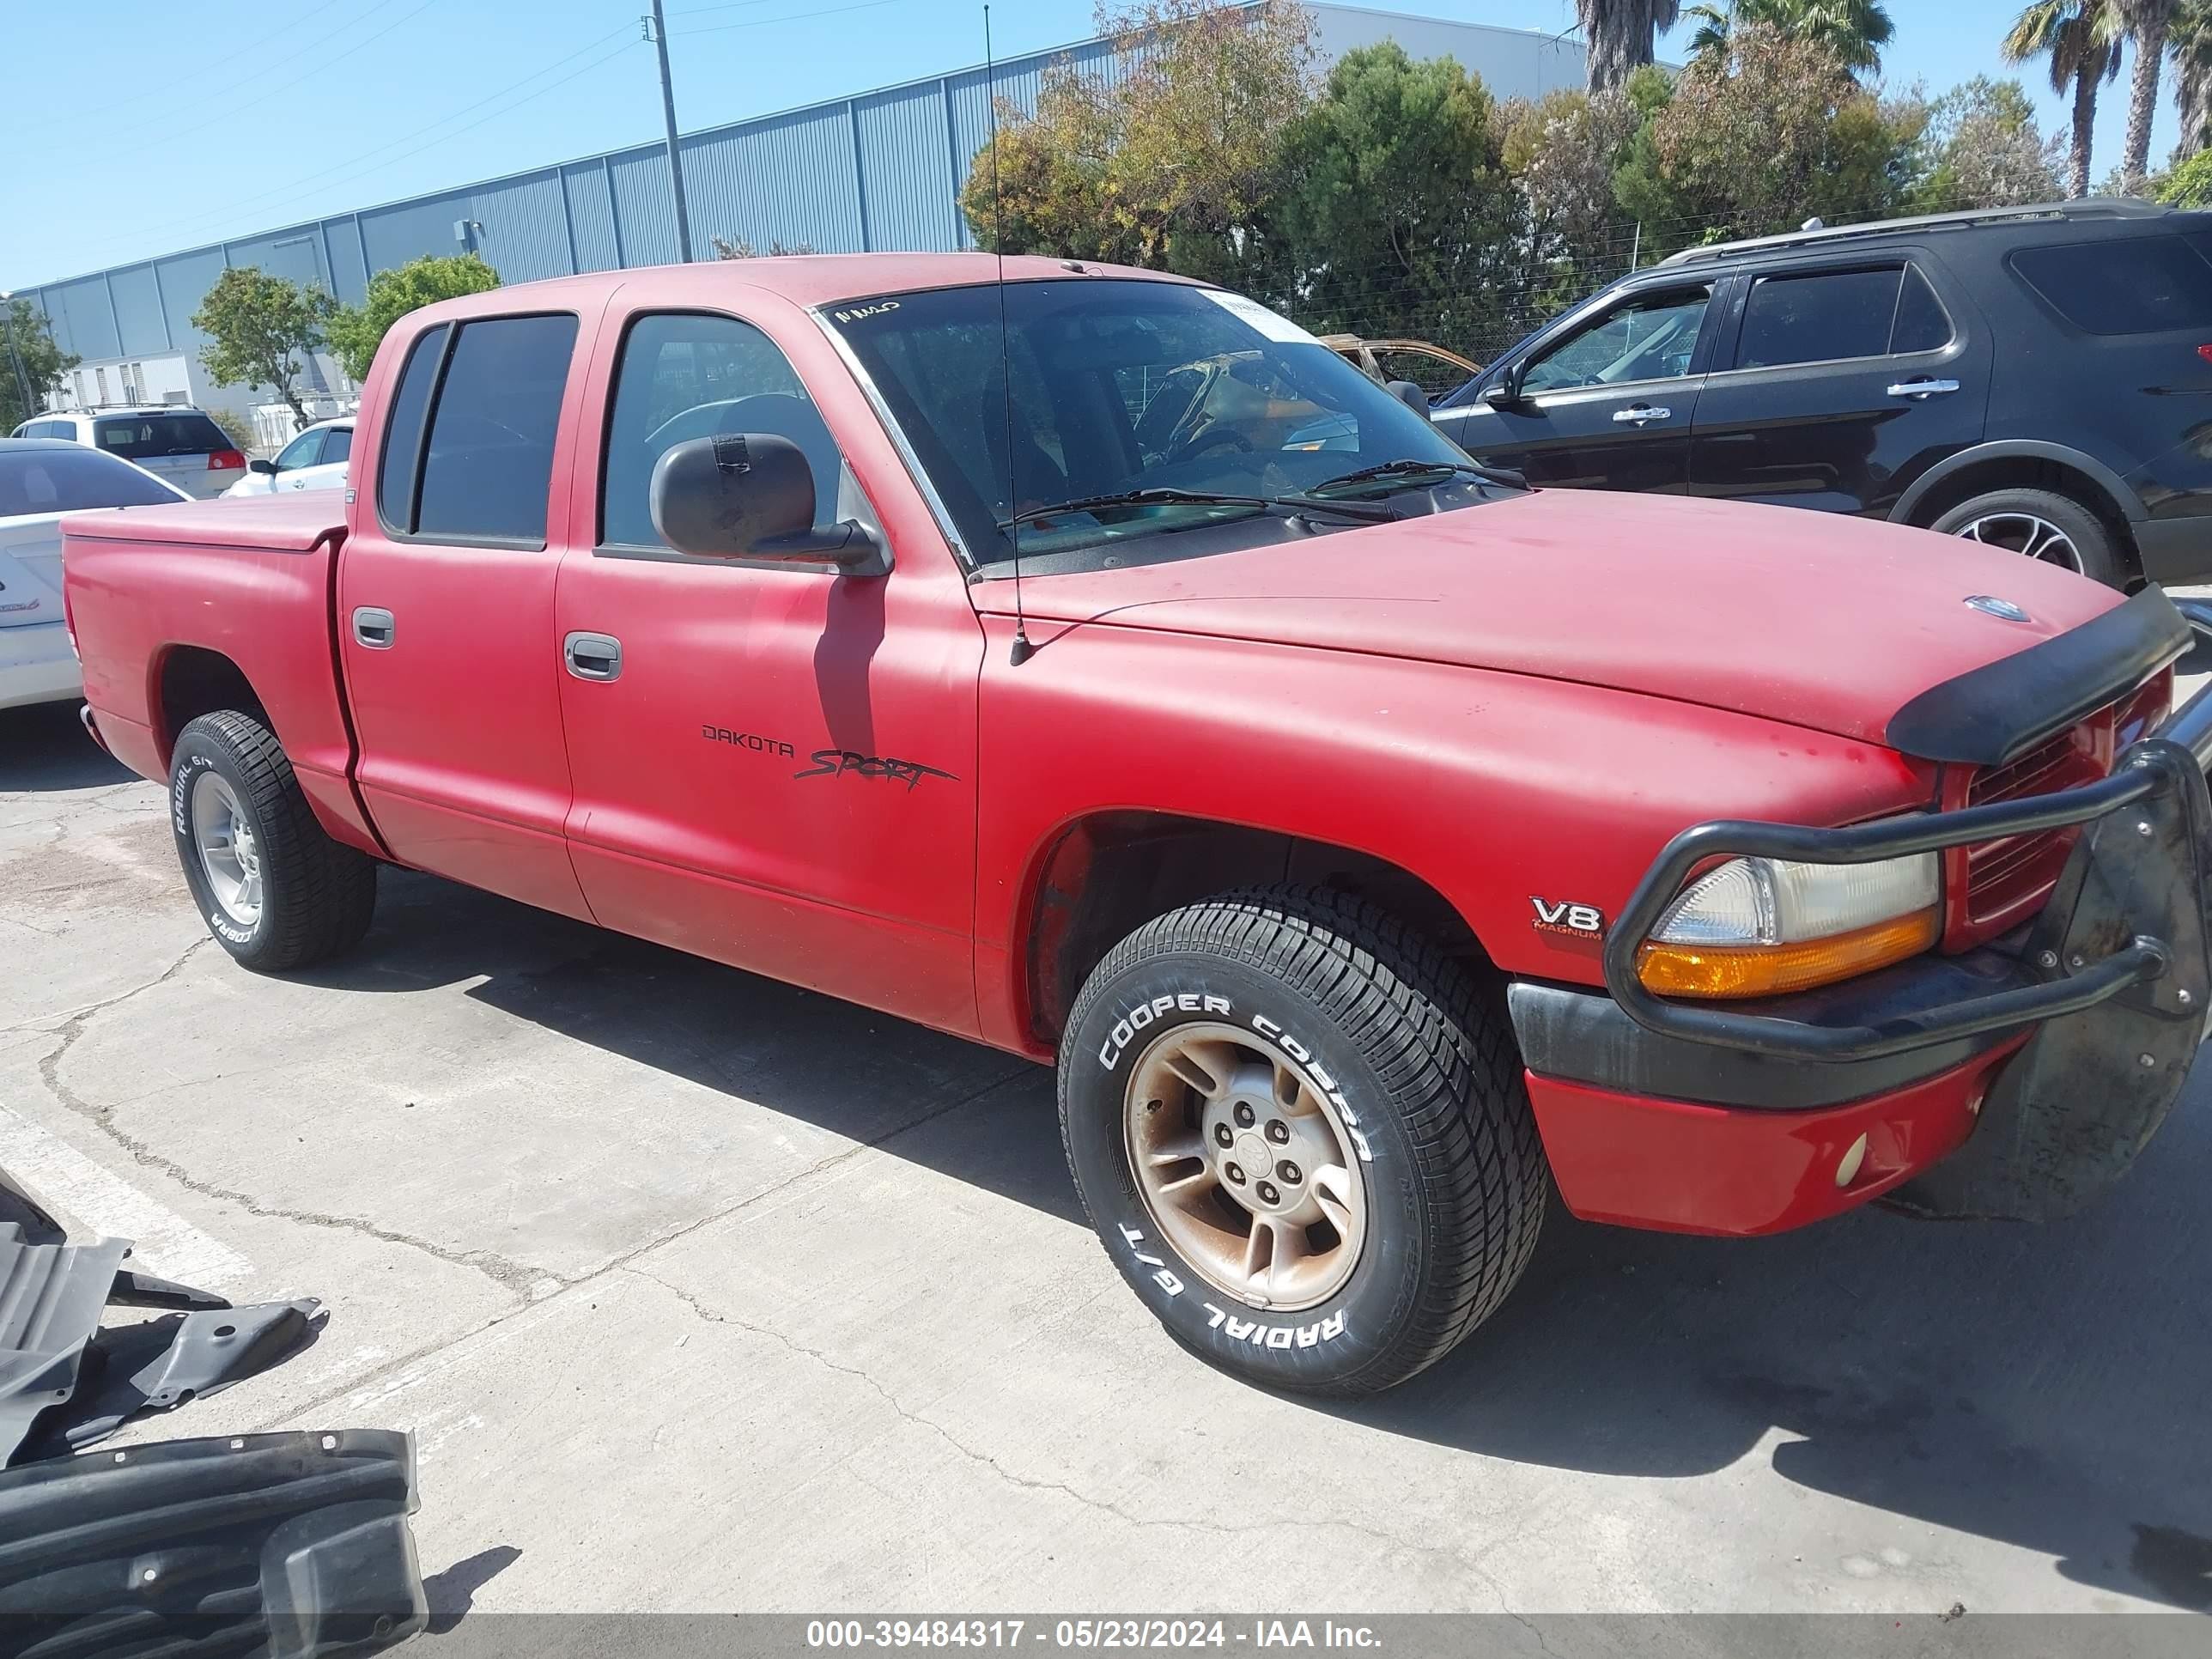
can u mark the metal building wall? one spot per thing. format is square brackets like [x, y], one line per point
[879, 170]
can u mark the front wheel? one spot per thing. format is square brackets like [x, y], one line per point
[275, 891]
[1302, 1137]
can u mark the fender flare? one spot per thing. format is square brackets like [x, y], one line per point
[2029, 449]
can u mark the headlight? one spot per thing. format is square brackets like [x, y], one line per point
[1756, 927]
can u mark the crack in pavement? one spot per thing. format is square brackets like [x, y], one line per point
[1031, 1483]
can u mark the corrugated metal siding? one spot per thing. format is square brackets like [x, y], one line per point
[881, 170]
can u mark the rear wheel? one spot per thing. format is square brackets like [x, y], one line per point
[2040, 525]
[1302, 1134]
[275, 891]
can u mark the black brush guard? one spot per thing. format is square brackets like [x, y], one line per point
[2114, 969]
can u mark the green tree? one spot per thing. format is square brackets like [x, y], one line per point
[1855, 30]
[1617, 36]
[1170, 164]
[1982, 148]
[356, 331]
[2189, 184]
[2188, 43]
[43, 361]
[1399, 217]
[260, 328]
[1757, 138]
[2082, 39]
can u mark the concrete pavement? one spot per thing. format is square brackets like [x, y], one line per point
[704, 1293]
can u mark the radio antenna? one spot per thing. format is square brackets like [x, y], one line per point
[1022, 650]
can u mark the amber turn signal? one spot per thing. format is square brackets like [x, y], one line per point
[1766, 970]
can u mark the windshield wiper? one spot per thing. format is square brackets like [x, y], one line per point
[1496, 475]
[1363, 511]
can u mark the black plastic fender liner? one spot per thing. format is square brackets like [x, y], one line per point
[1986, 716]
[51, 1299]
[277, 1544]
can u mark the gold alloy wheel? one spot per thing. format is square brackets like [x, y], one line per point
[1245, 1166]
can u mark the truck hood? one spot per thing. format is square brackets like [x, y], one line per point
[1820, 621]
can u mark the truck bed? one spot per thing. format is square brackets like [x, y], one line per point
[165, 601]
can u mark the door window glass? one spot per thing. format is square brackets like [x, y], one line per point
[403, 431]
[1650, 337]
[685, 376]
[337, 445]
[489, 460]
[2127, 285]
[1923, 325]
[1822, 317]
[301, 452]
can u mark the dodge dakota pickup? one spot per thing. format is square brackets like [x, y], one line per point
[1092, 663]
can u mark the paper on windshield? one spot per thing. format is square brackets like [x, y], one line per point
[1252, 314]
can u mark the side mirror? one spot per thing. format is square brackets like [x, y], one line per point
[266, 469]
[750, 495]
[1505, 391]
[1410, 395]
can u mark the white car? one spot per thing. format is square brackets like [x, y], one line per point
[316, 460]
[40, 480]
[175, 442]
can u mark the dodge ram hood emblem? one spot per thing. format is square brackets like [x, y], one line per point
[2003, 608]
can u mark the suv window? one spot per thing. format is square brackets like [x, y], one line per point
[149, 437]
[2127, 285]
[402, 430]
[1650, 336]
[1922, 323]
[1822, 317]
[687, 375]
[489, 461]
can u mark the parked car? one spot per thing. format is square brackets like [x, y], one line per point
[316, 460]
[1437, 371]
[40, 479]
[2033, 377]
[1372, 843]
[181, 445]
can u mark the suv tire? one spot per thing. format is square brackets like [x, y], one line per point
[2037, 518]
[1224, 1045]
[276, 891]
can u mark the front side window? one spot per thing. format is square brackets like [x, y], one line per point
[2122, 285]
[1099, 388]
[687, 375]
[488, 463]
[301, 452]
[1650, 337]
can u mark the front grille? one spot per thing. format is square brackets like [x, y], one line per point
[1998, 884]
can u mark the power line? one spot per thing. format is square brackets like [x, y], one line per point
[792, 17]
[726, 5]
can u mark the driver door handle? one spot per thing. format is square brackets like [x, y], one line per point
[373, 626]
[592, 656]
[1638, 414]
[1920, 391]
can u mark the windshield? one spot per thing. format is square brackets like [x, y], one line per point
[66, 478]
[1121, 387]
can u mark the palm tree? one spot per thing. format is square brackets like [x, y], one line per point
[2188, 43]
[2146, 22]
[1619, 34]
[2081, 38]
[1855, 30]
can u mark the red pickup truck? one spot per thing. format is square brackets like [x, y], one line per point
[1093, 665]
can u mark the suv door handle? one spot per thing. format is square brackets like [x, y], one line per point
[1638, 414]
[592, 656]
[1920, 391]
[373, 628]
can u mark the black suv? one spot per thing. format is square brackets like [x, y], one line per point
[2038, 378]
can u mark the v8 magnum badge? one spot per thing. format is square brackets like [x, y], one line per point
[1580, 921]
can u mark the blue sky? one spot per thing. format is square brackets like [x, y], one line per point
[162, 126]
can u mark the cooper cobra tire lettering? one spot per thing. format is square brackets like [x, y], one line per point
[1144, 1013]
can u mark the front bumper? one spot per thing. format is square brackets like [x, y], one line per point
[2021, 1080]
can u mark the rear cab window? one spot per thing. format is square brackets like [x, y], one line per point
[150, 437]
[2122, 285]
[468, 449]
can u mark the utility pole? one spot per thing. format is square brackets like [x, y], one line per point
[8, 324]
[657, 31]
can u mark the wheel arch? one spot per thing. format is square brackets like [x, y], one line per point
[2026, 464]
[1098, 877]
[187, 681]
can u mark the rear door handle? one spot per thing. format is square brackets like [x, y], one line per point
[592, 656]
[1638, 414]
[373, 628]
[1920, 391]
